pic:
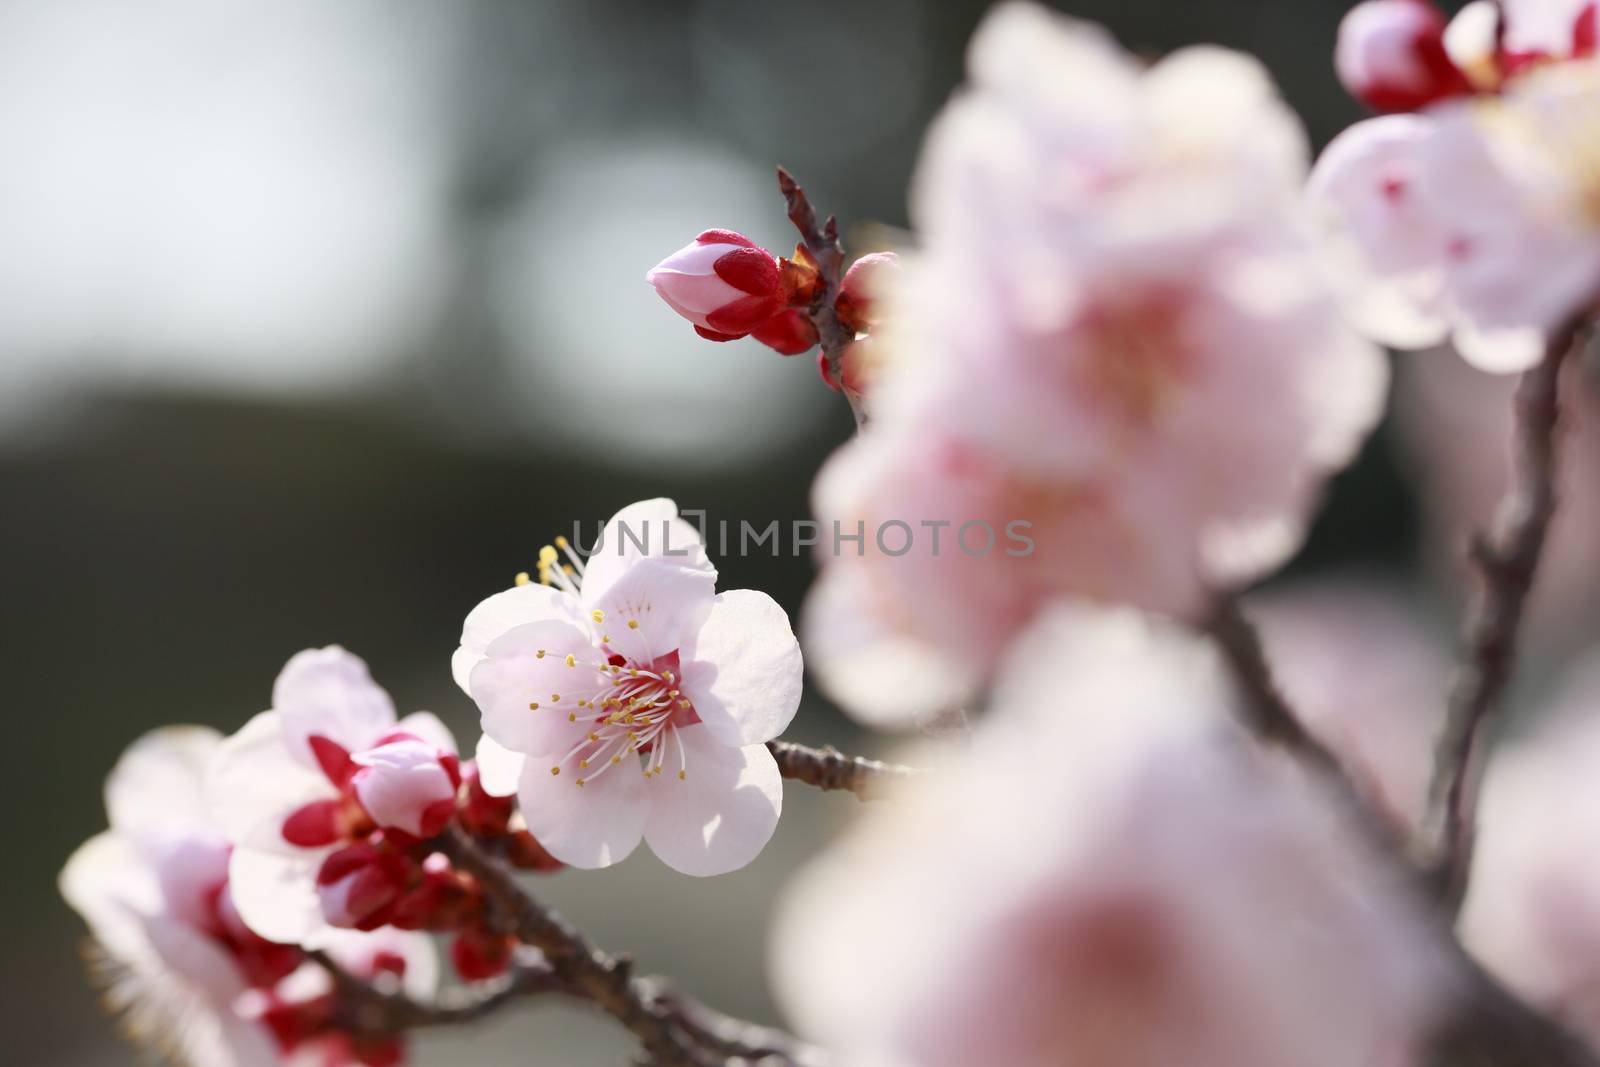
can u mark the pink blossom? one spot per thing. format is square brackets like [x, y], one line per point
[1117, 877]
[156, 891]
[1478, 219]
[723, 283]
[636, 699]
[293, 785]
[1115, 330]
[1391, 55]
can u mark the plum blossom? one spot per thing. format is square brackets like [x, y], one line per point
[627, 699]
[1391, 55]
[1477, 219]
[1116, 331]
[180, 964]
[322, 794]
[1095, 885]
[722, 282]
[1532, 914]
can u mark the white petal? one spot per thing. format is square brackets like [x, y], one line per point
[528, 666]
[276, 892]
[501, 612]
[255, 782]
[668, 602]
[1499, 351]
[884, 678]
[160, 780]
[356, 950]
[591, 825]
[721, 814]
[499, 768]
[742, 669]
[426, 726]
[649, 528]
[329, 692]
[200, 959]
[108, 883]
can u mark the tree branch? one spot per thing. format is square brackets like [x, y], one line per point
[821, 242]
[365, 1009]
[828, 768]
[1507, 563]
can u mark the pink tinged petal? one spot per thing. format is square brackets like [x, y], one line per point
[276, 893]
[514, 607]
[742, 670]
[404, 786]
[191, 867]
[328, 692]
[532, 680]
[647, 528]
[425, 726]
[160, 780]
[687, 280]
[359, 952]
[1500, 351]
[196, 956]
[110, 885]
[591, 825]
[653, 608]
[499, 768]
[317, 824]
[721, 813]
[255, 783]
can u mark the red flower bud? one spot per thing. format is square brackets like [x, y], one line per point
[723, 283]
[1391, 56]
[788, 333]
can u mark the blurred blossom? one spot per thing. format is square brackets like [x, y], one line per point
[633, 381]
[1533, 911]
[1478, 219]
[1115, 331]
[189, 978]
[1112, 875]
[1358, 666]
[1456, 424]
[244, 193]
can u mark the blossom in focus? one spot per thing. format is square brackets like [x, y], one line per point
[1366, 677]
[1116, 876]
[723, 283]
[180, 965]
[1477, 219]
[1391, 55]
[1532, 914]
[324, 793]
[1116, 330]
[627, 699]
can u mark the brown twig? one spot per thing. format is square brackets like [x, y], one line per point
[821, 242]
[828, 768]
[1507, 563]
[365, 1009]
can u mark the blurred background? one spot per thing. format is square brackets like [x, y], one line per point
[318, 317]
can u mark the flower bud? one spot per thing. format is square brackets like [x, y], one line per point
[788, 333]
[357, 884]
[524, 852]
[405, 785]
[480, 954]
[859, 365]
[862, 285]
[723, 283]
[1391, 56]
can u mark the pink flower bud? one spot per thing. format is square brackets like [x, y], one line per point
[1391, 56]
[404, 785]
[723, 283]
[788, 333]
[357, 884]
[861, 287]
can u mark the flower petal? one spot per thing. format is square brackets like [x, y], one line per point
[742, 669]
[721, 814]
[592, 825]
[276, 892]
[108, 883]
[654, 608]
[254, 782]
[524, 684]
[492, 617]
[160, 780]
[499, 768]
[329, 692]
[426, 726]
[649, 529]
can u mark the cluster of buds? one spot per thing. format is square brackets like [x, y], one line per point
[729, 287]
[1402, 55]
[306, 1024]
